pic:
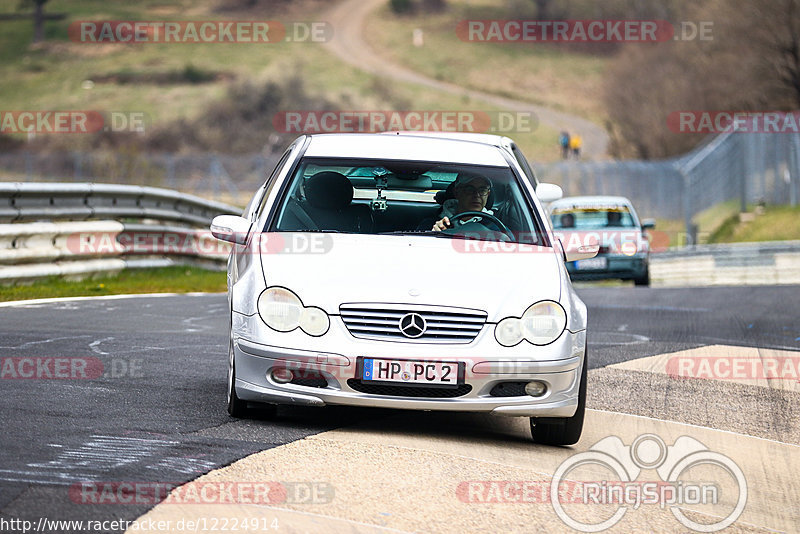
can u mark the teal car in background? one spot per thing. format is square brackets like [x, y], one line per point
[613, 223]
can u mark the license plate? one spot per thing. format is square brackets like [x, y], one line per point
[592, 263]
[410, 372]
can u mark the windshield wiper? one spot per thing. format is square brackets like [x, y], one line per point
[315, 230]
[416, 232]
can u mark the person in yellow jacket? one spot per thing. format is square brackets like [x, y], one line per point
[575, 143]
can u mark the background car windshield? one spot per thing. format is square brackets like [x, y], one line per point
[382, 197]
[592, 217]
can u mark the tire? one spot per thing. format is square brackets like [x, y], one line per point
[236, 406]
[644, 280]
[562, 430]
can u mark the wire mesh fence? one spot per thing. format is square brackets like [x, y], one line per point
[750, 168]
[228, 178]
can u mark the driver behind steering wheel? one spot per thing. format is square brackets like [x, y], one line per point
[471, 192]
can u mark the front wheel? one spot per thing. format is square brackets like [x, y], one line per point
[562, 430]
[236, 406]
[644, 280]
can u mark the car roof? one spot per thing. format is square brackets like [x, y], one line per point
[487, 139]
[589, 201]
[403, 147]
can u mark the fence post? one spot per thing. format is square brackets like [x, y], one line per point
[795, 172]
[687, 207]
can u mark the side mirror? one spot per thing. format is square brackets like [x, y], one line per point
[576, 252]
[230, 228]
[549, 192]
[648, 224]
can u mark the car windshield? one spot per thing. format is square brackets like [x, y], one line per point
[406, 197]
[592, 217]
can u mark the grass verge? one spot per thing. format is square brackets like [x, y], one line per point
[776, 223]
[176, 279]
[565, 80]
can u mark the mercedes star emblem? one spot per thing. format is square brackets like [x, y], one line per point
[412, 325]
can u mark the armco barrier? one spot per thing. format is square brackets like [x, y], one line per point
[29, 249]
[20, 202]
[43, 224]
[767, 263]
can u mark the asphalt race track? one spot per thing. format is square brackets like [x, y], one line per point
[155, 411]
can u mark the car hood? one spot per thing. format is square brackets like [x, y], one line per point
[500, 278]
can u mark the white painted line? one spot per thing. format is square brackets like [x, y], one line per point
[15, 303]
[750, 366]
[731, 432]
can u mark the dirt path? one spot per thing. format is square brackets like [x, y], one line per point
[348, 19]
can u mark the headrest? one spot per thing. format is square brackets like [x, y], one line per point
[329, 190]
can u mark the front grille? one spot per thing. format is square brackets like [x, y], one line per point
[409, 391]
[508, 389]
[382, 322]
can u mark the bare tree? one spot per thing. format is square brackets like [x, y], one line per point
[38, 17]
[750, 63]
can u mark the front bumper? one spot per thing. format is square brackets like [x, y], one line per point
[558, 365]
[618, 267]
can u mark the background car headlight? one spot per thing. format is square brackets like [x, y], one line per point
[280, 309]
[508, 331]
[543, 322]
[314, 321]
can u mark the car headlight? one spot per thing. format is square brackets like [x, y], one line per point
[283, 311]
[280, 309]
[314, 321]
[508, 332]
[541, 324]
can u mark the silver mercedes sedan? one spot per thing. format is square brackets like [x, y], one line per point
[408, 272]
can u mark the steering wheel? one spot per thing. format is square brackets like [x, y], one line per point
[483, 215]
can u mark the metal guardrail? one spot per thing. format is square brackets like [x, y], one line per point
[87, 228]
[21, 202]
[774, 262]
[130, 234]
